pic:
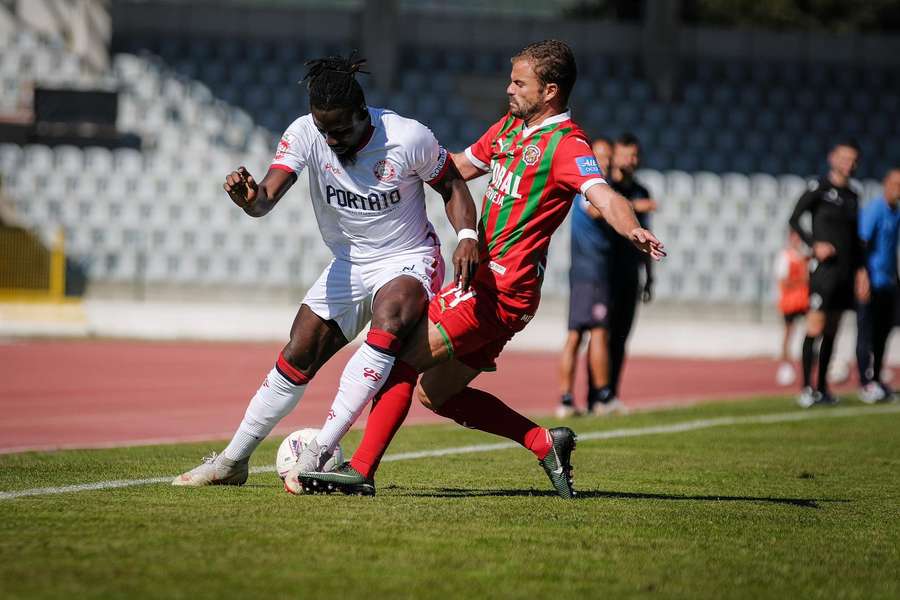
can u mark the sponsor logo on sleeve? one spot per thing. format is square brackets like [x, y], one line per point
[587, 165]
[384, 170]
[284, 145]
[439, 165]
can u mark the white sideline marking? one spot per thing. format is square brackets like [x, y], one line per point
[592, 435]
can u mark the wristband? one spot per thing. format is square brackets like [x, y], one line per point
[466, 234]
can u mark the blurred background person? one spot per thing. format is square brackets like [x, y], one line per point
[792, 273]
[588, 291]
[625, 268]
[879, 223]
[837, 270]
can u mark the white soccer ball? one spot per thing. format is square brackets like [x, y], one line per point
[290, 448]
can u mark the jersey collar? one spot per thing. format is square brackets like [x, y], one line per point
[563, 116]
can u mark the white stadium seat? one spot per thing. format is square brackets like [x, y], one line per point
[678, 184]
[735, 185]
[763, 186]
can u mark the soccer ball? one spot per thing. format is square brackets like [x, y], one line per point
[290, 448]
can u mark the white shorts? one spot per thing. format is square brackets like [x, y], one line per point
[344, 291]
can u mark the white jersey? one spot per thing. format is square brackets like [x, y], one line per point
[377, 204]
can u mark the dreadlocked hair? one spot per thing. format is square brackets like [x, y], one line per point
[332, 82]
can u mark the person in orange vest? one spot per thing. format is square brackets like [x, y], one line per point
[792, 272]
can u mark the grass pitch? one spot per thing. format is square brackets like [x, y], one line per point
[807, 508]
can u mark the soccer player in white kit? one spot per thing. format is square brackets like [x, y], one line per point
[366, 169]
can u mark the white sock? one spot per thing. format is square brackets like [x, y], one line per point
[363, 376]
[274, 399]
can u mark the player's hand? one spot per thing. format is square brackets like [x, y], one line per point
[241, 187]
[647, 292]
[823, 251]
[465, 263]
[647, 243]
[862, 286]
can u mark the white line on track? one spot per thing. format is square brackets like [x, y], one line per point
[593, 435]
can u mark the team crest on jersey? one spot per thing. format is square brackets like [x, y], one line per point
[284, 145]
[384, 171]
[531, 154]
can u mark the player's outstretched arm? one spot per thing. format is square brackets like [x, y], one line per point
[618, 213]
[466, 169]
[461, 214]
[257, 199]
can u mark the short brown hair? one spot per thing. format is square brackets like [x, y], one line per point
[553, 62]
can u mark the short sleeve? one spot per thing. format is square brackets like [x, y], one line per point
[574, 165]
[867, 218]
[427, 159]
[293, 149]
[479, 153]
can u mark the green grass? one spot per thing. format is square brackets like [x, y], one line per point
[803, 509]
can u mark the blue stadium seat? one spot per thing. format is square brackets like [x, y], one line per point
[695, 93]
[627, 115]
[794, 122]
[259, 52]
[767, 121]
[613, 90]
[778, 98]
[834, 100]
[456, 61]
[655, 115]
[712, 118]
[685, 161]
[683, 116]
[739, 118]
[670, 139]
[714, 162]
[725, 96]
[743, 162]
[751, 97]
[640, 92]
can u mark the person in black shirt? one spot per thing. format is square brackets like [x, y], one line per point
[624, 265]
[837, 268]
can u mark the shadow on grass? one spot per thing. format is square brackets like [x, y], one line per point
[593, 494]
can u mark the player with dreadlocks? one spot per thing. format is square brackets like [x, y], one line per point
[366, 169]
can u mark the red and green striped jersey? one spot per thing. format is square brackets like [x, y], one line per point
[535, 173]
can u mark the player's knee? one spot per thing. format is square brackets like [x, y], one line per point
[399, 316]
[422, 396]
[301, 357]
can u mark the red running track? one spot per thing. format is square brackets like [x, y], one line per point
[67, 394]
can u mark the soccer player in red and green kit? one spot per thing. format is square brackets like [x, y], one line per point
[538, 160]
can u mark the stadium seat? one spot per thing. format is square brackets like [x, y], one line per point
[678, 184]
[653, 180]
[790, 187]
[735, 185]
[763, 187]
[708, 185]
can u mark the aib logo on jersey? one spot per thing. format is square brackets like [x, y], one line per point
[503, 183]
[587, 165]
